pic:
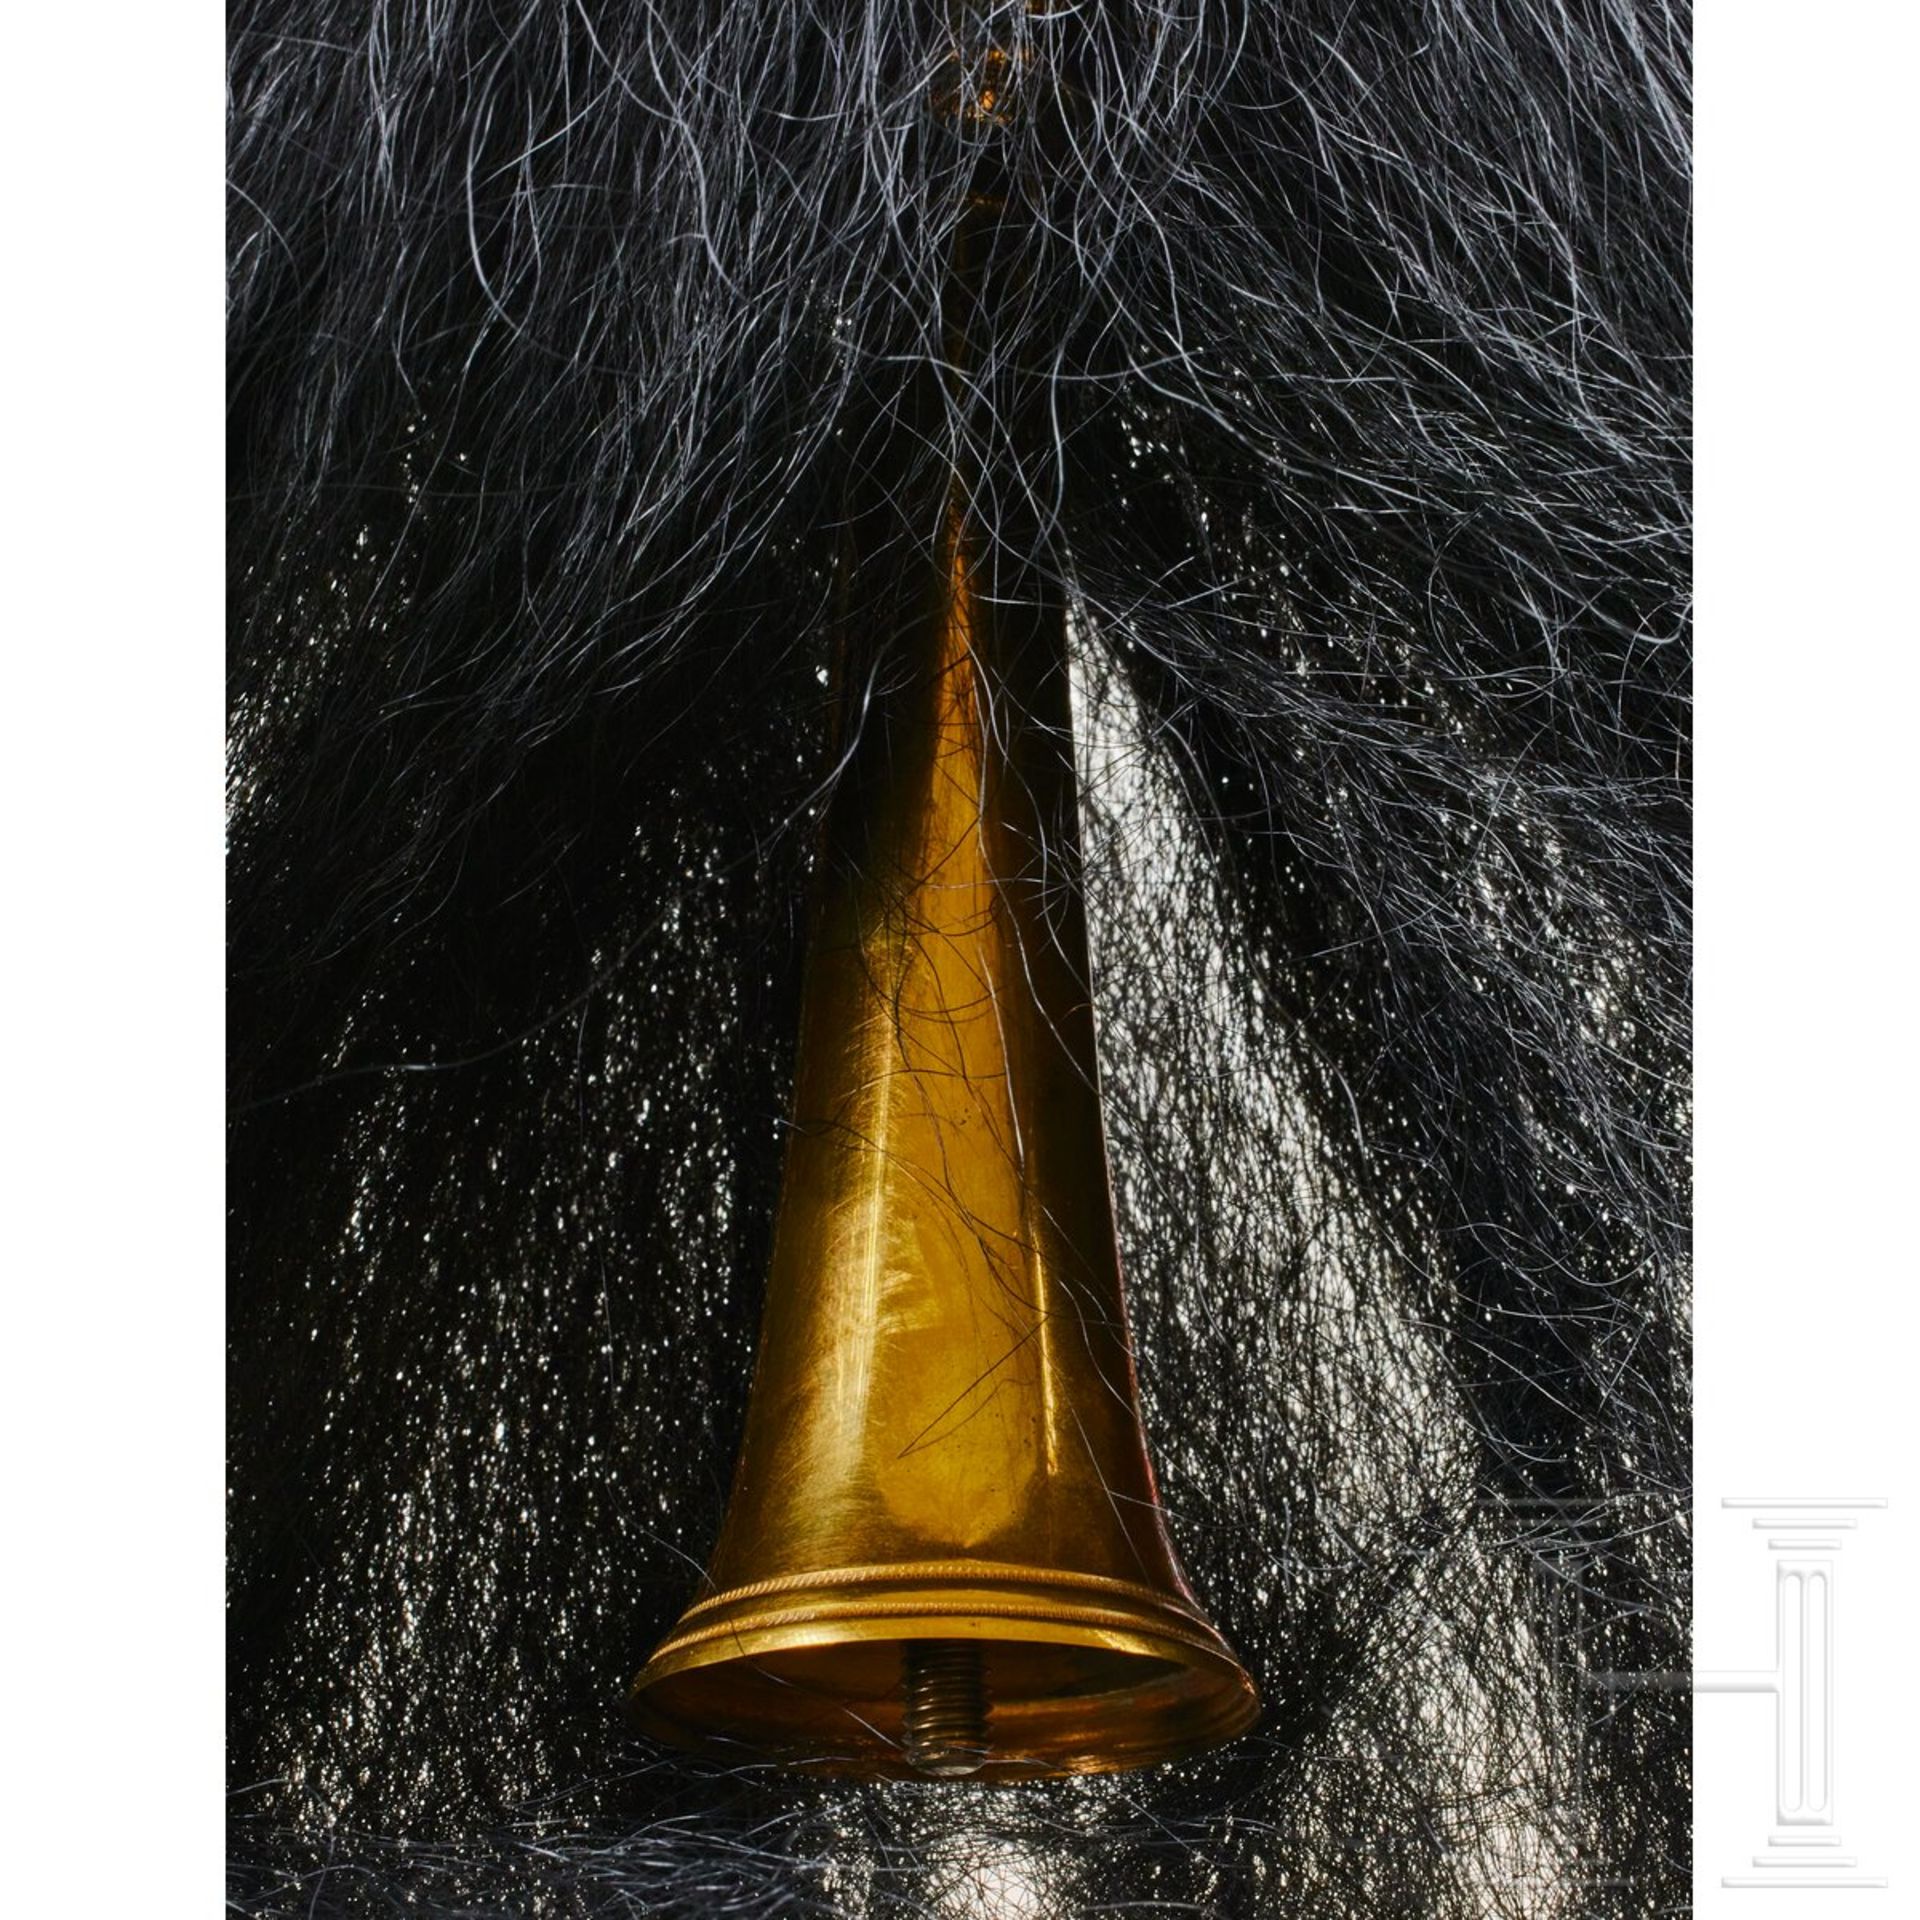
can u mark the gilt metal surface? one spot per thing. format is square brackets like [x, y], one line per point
[944, 1439]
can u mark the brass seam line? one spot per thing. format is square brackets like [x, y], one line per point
[970, 1573]
[1173, 1628]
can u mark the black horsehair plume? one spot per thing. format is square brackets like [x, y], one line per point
[562, 338]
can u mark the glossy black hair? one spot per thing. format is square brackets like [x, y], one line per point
[1356, 336]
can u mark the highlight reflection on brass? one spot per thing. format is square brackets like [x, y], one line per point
[943, 1552]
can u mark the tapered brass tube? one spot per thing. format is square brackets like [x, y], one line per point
[943, 1442]
[943, 1554]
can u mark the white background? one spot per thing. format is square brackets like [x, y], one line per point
[1808, 1358]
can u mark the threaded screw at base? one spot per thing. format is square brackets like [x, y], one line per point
[945, 1723]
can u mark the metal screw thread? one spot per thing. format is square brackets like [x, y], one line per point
[946, 1714]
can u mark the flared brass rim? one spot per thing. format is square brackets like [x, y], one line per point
[1216, 1701]
[950, 1593]
[951, 1573]
[1174, 1687]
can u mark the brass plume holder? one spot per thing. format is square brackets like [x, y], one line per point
[943, 1555]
